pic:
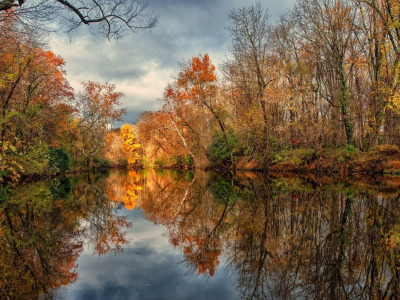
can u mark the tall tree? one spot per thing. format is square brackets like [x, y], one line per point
[197, 81]
[251, 66]
[98, 108]
[327, 27]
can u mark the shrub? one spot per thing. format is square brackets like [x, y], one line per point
[159, 162]
[218, 149]
[101, 163]
[388, 149]
[340, 153]
[59, 160]
[189, 160]
[3, 194]
[295, 157]
[350, 150]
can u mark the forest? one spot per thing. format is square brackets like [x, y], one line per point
[317, 90]
[46, 127]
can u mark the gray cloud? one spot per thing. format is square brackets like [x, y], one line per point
[142, 66]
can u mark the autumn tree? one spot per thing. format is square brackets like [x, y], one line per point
[158, 137]
[98, 108]
[378, 31]
[250, 63]
[113, 150]
[324, 76]
[328, 28]
[35, 101]
[198, 83]
[130, 144]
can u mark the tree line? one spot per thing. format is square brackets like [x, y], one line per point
[46, 127]
[325, 75]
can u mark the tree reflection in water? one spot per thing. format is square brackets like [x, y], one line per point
[279, 238]
[43, 230]
[284, 238]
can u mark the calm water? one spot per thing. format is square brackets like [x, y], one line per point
[173, 235]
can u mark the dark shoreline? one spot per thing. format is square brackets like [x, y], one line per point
[362, 164]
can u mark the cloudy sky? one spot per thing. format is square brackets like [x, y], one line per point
[142, 65]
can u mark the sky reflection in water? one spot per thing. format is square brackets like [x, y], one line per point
[149, 268]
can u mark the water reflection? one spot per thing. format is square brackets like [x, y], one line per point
[276, 238]
[43, 230]
[285, 238]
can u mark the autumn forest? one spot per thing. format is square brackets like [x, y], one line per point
[317, 89]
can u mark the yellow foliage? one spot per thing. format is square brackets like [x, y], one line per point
[394, 103]
[132, 189]
[131, 146]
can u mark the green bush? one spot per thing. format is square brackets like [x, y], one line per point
[159, 162]
[340, 152]
[219, 150]
[101, 163]
[350, 150]
[59, 160]
[189, 160]
[3, 194]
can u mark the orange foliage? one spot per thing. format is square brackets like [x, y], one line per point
[197, 78]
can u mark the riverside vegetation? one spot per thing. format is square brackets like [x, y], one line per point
[316, 91]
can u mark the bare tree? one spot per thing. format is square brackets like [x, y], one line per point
[110, 18]
[250, 65]
[327, 29]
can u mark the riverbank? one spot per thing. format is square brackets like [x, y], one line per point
[343, 162]
[346, 161]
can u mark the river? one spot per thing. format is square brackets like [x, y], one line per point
[158, 234]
